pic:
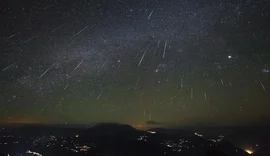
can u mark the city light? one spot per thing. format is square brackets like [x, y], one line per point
[34, 153]
[249, 151]
[152, 132]
[199, 135]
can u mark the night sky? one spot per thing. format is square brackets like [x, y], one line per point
[147, 62]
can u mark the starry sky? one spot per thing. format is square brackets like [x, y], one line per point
[143, 62]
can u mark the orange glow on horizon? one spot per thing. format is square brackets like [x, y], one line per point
[23, 120]
[140, 126]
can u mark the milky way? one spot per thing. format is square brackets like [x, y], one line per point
[175, 62]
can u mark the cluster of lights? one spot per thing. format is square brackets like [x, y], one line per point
[220, 138]
[143, 138]
[8, 136]
[177, 146]
[34, 153]
[199, 135]
[65, 142]
[84, 148]
[73, 150]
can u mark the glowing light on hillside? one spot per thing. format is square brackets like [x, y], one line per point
[152, 132]
[34, 153]
[199, 135]
[249, 151]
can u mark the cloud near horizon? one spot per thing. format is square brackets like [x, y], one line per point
[154, 123]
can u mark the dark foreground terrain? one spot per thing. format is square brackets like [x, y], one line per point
[116, 140]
